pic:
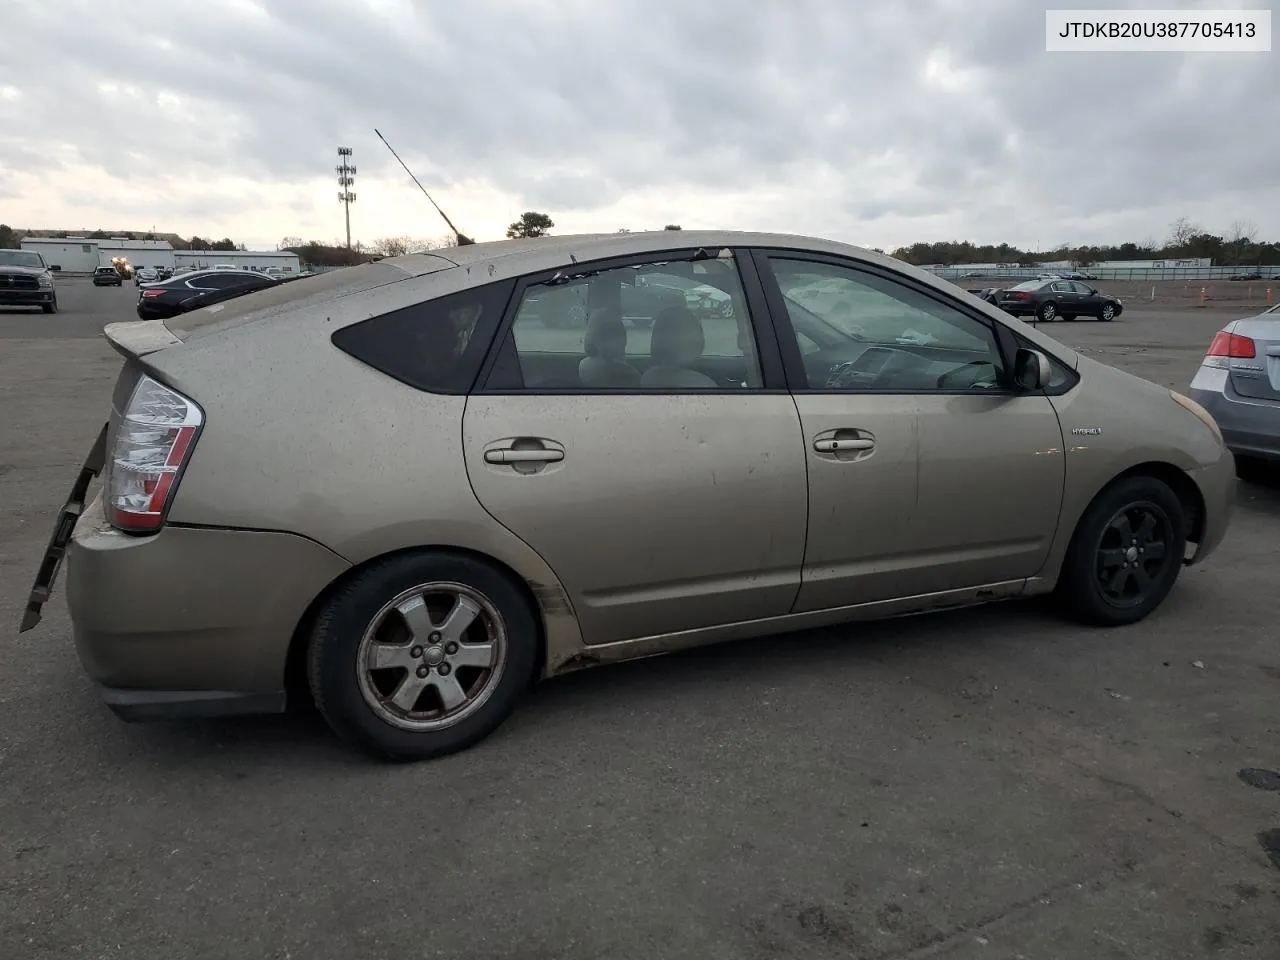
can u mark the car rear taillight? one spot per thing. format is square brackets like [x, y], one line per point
[1021, 295]
[1232, 345]
[151, 446]
[152, 293]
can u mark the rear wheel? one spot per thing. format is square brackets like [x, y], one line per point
[1048, 312]
[422, 655]
[1108, 312]
[1125, 554]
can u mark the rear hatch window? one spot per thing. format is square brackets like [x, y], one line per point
[302, 292]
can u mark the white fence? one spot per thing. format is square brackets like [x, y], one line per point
[1112, 273]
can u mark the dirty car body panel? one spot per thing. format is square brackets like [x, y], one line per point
[636, 521]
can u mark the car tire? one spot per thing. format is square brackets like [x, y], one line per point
[1047, 312]
[51, 307]
[1108, 312]
[359, 625]
[1094, 586]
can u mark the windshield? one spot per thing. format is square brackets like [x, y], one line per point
[20, 258]
[1029, 285]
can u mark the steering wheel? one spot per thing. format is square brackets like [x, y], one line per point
[842, 366]
[942, 381]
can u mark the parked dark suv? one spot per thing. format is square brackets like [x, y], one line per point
[107, 277]
[27, 281]
[1056, 299]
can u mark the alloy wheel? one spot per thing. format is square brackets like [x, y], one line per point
[431, 656]
[1133, 554]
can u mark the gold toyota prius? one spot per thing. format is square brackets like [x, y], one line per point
[427, 481]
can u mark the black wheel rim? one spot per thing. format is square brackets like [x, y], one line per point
[1133, 554]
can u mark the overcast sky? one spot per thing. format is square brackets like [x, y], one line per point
[877, 122]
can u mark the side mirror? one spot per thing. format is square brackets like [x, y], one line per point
[55, 267]
[1031, 370]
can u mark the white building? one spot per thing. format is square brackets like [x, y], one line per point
[72, 254]
[84, 255]
[1166, 264]
[283, 261]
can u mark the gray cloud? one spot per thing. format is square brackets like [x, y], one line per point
[573, 105]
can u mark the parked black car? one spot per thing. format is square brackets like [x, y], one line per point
[107, 277]
[1058, 299]
[191, 291]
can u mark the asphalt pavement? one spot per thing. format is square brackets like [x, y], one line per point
[992, 783]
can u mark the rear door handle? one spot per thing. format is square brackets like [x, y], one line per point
[508, 455]
[838, 446]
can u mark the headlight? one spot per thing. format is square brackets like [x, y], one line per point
[1205, 416]
[46, 280]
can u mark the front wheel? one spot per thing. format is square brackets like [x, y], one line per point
[1047, 312]
[1108, 311]
[51, 306]
[422, 655]
[1125, 554]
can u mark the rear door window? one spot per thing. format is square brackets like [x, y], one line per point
[655, 325]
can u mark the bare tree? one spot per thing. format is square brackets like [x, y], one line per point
[391, 246]
[1181, 231]
[1242, 232]
[427, 244]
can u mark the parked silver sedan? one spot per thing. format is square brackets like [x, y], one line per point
[429, 480]
[1239, 383]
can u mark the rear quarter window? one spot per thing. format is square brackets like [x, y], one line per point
[436, 346]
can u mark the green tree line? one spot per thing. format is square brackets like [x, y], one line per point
[1238, 244]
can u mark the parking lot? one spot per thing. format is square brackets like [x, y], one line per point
[992, 783]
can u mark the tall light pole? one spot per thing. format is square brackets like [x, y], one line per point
[346, 180]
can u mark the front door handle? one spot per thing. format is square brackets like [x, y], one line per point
[831, 445]
[509, 455]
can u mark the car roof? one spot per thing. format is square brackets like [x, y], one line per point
[530, 255]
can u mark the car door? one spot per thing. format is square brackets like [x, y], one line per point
[1063, 292]
[218, 287]
[663, 503]
[927, 472]
[1090, 300]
